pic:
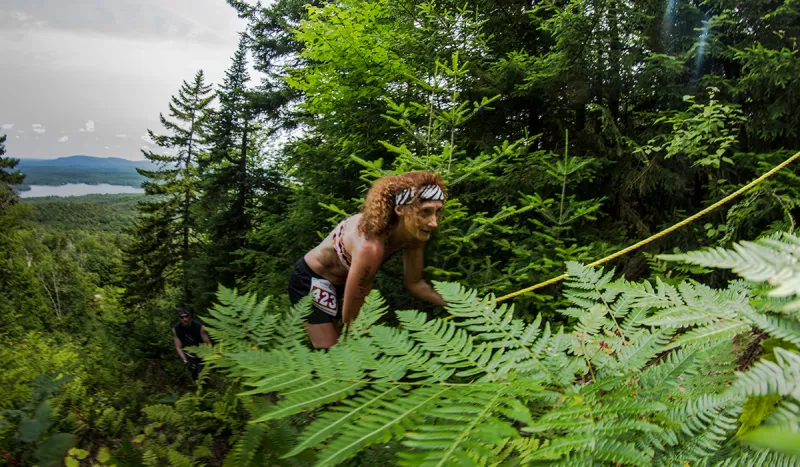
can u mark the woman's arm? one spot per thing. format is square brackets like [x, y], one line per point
[413, 262]
[366, 262]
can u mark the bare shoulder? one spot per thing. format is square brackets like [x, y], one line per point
[372, 248]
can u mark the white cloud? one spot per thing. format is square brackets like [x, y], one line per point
[122, 136]
[146, 139]
[63, 139]
[8, 126]
[107, 147]
[88, 127]
[145, 147]
[38, 128]
[21, 16]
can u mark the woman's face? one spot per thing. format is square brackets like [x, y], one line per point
[421, 221]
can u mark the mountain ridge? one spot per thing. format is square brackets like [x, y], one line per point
[83, 169]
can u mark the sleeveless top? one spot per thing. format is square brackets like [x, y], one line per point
[338, 245]
[189, 335]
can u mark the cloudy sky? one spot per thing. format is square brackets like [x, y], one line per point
[91, 76]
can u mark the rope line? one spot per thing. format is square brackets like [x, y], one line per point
[662, 233]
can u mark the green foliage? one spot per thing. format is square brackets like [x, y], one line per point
[703, 134]
[182, 434]
[643, 378]
[37, 437]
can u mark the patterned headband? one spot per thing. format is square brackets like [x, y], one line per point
[427, 193]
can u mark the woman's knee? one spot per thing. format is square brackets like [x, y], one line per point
[323, 336]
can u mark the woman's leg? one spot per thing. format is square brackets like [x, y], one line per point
[323, 335]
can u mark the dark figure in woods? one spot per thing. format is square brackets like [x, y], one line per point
[399, 213]
[186, 333]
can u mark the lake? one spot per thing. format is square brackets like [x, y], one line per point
[77, 189]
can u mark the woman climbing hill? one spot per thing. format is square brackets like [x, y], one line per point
[399, 213]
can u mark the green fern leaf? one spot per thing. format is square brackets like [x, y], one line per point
[247, 446]
[724, 329]
[392, 420]
[372, 311]
[642, 349]
[456, 347]
[396, 345]
[767, 260]
[462, 430]
[177, 459]
[333, 423]
[517, 342]
[765, 378]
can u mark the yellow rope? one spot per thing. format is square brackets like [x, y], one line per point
[663, 232]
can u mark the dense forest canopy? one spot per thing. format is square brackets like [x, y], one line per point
[564, 130]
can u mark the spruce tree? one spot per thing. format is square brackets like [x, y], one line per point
[8, 194]
[232, 173]
[164, 234]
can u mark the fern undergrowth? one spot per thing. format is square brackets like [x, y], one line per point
[645, 374]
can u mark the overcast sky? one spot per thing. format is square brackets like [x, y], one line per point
[91, 76]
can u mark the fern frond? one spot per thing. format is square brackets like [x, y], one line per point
[241, 321]
[455, 346]
[724, 329]
[776, 326]
[517, 342]
[372, 311]
[290, 330]
[703, 434]
[767, 378]
[304, 379]
[787, 415]
[634, 319]
[163, 413]
[244, 451]
[396, 345]
[619, 452]
[592, 320]
[643, 295]
[177, 459]
[391, 420]
[466, 428]
[750, 457]
[642, 349]
[666, 373]
[333, 423]
[766, 260]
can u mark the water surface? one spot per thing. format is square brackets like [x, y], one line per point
[77, 189]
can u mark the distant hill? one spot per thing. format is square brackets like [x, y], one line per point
[82, 169]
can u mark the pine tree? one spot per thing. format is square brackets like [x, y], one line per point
[8, 194]
[164, 233]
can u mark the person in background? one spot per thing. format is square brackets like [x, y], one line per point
[399, 213]
[186, 333]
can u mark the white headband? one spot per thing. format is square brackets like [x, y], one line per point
[428, 193]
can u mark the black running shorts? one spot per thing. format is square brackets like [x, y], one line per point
[326, 298]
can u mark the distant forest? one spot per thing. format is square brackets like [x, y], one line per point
[81, 169]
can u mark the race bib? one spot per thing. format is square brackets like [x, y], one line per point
[323, 295]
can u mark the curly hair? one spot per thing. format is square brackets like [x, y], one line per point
[378, 209]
